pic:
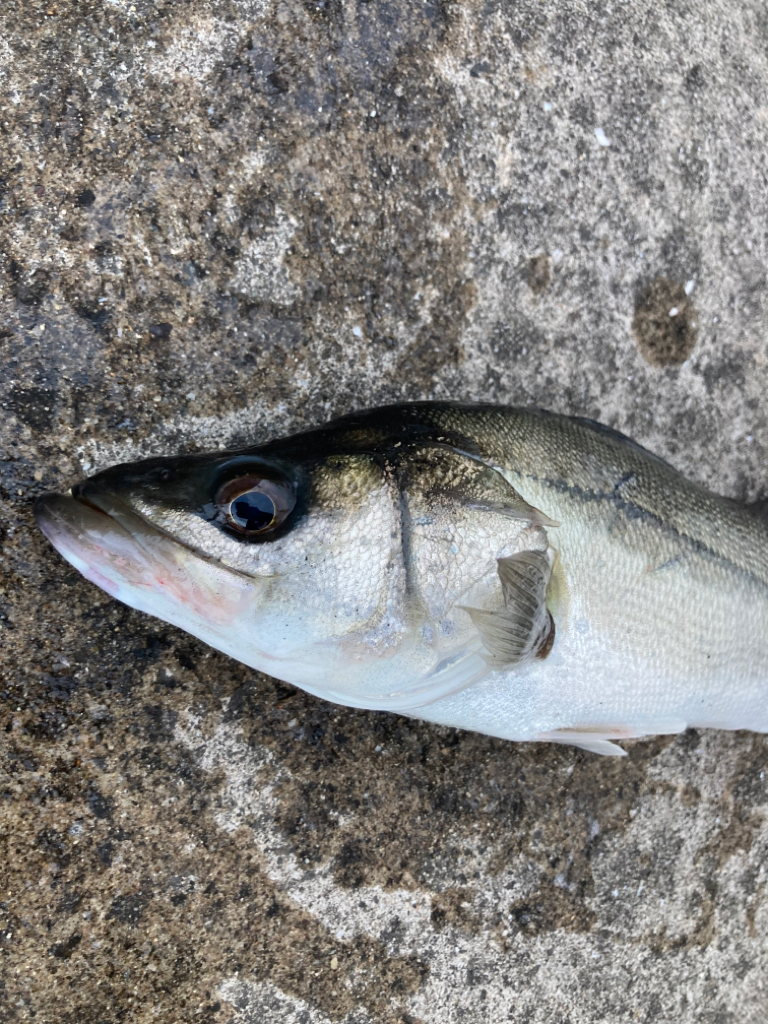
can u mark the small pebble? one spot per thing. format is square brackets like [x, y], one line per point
[602, 139]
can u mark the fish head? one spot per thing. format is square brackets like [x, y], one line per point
[336, 560]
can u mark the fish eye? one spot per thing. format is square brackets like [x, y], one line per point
[253, 505]
[252, 512]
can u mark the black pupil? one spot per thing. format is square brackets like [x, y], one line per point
[253, 510]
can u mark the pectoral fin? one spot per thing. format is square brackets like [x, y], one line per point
[523, 628]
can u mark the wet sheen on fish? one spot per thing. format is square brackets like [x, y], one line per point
[510, 571]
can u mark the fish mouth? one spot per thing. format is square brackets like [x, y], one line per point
[116, 548]
[80, 512]
[149, 570]
[142, 566]
[86, 506]
[101, 537]
[84, 511]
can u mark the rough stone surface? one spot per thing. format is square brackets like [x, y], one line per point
[225, 220]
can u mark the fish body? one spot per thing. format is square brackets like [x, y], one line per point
[510, 571]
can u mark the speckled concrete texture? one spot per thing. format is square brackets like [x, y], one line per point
[221, 221]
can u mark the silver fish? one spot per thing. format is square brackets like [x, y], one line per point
[514, 572]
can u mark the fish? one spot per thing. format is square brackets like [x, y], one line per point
[515, 572]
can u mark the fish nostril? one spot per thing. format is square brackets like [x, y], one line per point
[87, 494]
[84, 491]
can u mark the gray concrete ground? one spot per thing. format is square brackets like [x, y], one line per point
[225, 219]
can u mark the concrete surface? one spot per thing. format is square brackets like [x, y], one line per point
[225, 220]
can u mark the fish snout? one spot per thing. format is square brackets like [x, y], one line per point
[55, 513]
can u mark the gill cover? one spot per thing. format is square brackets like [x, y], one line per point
[449, 497]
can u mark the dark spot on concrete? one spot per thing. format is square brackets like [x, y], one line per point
[690, 796]
[105, 852]
[537, 274]
[64, 950]
[453, 908]
[695, 80]
[554, 910]
[664, 324]
[480, 69]
[69, 902]
[727, 372]
[128, 909]
[277, 83]
[160, 331]
[34, 406]
[85, 198]
[100, 806]
[30, 290]
[582, 112]
[97, 316]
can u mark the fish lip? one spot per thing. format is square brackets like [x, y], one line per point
[83, 500]
[59, 516]
[52, 507]
[105, 502]
[117, 549]
[88, 494]
[49, 511]
[43, 510]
